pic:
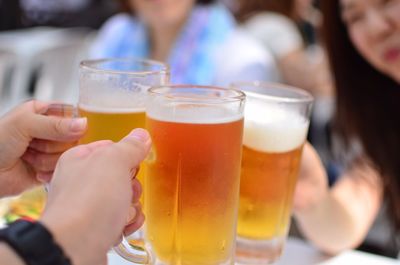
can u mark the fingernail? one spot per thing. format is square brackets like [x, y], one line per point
[44, 177]
[131, 214]
[140, 134]
[78, 124]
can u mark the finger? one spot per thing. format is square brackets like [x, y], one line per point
[41, 161]
[131, 214]
[134, 211]
[131, 228]
[135, 172]
[133, 148]
[15, 186]
[137, 191]
[54, 128]
[44, 177]
[58, 109]
[51, 147]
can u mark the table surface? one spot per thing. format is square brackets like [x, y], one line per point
[298, 252]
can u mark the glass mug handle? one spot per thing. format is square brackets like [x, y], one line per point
[59, 110]
[130, 252]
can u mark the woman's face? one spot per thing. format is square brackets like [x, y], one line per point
[162, 13]
[374, 29]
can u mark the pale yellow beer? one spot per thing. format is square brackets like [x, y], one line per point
[113, 97]
[111, 124]
[272, 145]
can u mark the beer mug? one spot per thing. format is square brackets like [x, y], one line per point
[112, 96]
[276, 124]
[193, 171]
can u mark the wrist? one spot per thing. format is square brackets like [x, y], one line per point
[69, 235]
[33, 243]
[72, 234]
[8, 255]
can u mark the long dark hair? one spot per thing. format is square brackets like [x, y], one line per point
[247, 8]
[368, 105]
[127, 7]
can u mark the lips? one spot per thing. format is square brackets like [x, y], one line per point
[392, 55]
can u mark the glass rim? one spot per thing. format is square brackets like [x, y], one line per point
[304, 96]
[94, 66]
[238, 95]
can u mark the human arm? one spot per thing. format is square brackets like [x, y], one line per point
[298, 66]
[8, 256]
[31, 143]
[307, 69]
[93, 199]
[86, 215]
[337, 219]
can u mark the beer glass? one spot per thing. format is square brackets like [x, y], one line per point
[112, 96]
[276, 124]
[192, 178]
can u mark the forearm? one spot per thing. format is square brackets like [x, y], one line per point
[342, 217]
[68, 235]
[329, 226]
[8, 256]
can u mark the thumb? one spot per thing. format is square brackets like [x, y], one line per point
[55, 128]
[134, 147]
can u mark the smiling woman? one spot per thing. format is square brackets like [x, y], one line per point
[372, 28]
[363, 41]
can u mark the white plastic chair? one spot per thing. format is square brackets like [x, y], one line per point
[41, 53]
[7, 69]
[57, 68]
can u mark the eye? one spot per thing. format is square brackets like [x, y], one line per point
[353, 17]
[390, 4]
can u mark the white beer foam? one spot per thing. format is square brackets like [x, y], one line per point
[273, 129]
[189, 113]
[106, 110]
[111, 99]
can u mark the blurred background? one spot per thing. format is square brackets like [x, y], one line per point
[43, 41]
[41, 44]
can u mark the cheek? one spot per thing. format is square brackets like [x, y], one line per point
[362, 44]
[357, 38]
[395, 16]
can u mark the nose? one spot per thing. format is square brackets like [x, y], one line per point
[394, 13]
[379, 24]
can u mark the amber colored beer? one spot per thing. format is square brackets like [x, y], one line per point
[111, 124]
[272, 148]
[191, 191]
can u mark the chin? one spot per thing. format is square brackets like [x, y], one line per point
[397, 78]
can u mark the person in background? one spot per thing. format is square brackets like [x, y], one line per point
[363, 42]
[197, 38]
[31, 148]
[275, 24]
[300, 59]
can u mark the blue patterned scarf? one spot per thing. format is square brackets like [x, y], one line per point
[191, 59]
